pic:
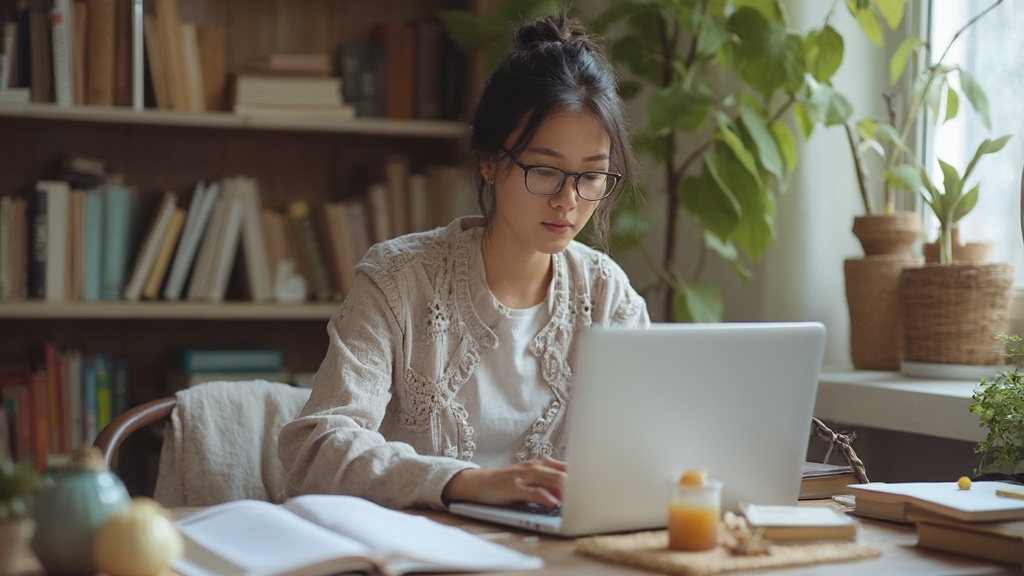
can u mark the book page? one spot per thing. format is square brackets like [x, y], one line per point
[249, 537]
[405, 542]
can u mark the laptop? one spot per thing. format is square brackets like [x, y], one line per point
[735, 399]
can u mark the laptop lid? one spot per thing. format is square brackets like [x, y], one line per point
[733, 398]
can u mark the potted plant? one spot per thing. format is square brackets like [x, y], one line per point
[720, 80]
[887, 234]
[999, 404]
[19, 484]
[950, 310]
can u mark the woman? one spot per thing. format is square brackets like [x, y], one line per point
[447, 375]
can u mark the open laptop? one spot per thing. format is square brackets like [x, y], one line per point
[735, 399]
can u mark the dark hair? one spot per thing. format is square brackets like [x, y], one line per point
[554, 66]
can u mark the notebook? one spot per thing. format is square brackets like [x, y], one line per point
[733, 398]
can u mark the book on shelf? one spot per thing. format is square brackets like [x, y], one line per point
[157, 274]
[178, 380]
[421, 203]
[396, 177]
[277, 241]
[79, 35]
[307, 246]
[61, 19]
[15, 96]
[123, 15]
[254, 243]
[220, 245]
[40, 51]
[997, 541]
[428, 34]
[101, 34]
[799, 523]
[378, 202]
[57, 197]
[146, 257]
[92, 247]
[326, 534]
[157, 67]
[360, 67]
[292, 63]
[118, 214]
[8, 54]
[398, 40]
[169, 38]
[6, 245]
[340, 252]
[212, 43]
[204, 197]
[196, 93]
[14, 242]
[198, 360]
[269, 90]
[894, 501]
[823, 480]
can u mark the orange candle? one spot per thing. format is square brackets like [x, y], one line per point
[694, 513]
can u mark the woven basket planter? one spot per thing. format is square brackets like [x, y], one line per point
[888, 233]
[872, 296]
[951, 313]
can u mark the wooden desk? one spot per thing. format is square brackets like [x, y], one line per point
[900, 554]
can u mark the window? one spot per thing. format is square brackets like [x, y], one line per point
[991, 51]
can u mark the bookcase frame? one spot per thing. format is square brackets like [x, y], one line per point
[157, 150]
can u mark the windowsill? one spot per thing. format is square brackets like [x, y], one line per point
[891, 401]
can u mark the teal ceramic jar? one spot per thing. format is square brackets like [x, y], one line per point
[67, 515]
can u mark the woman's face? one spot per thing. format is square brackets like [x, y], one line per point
[572, 141]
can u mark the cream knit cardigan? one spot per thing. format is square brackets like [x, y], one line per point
[384, 421]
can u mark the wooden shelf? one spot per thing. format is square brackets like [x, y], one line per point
[226, 120]
[42, 310]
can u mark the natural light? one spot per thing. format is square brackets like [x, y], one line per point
[992, 51]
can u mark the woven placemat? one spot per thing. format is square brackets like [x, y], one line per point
[649, 551]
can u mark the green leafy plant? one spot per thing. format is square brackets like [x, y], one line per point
[952, 202]
[19, 484]
[999, 404]
[721, 78]
[931, 94]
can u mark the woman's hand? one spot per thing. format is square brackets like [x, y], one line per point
[540, 480]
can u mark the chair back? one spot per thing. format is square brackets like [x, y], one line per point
[221, 443]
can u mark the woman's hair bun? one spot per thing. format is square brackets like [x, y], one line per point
[553, 28]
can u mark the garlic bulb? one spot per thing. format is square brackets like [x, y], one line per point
[67, 515]
[140, 540]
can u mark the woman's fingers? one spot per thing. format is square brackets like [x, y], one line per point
[540, 480]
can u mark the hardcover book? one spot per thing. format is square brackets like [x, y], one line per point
[194, 360]
[998, 541]
[800, 523]
[825, 480]
[978, 504]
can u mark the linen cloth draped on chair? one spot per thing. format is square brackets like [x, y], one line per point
[221, 443]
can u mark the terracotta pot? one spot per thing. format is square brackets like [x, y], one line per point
[872, 297]
[952, 313]
[970, 253]
[891, 233]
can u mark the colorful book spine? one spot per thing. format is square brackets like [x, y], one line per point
[117, 205]
[93, 265]
[193, 360]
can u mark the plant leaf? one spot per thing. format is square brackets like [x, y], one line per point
[868, 21]
[677, 107]
[824, 53]
[767, 56]
[891, 10]
[709, 202]
[966, 203]
[786, 141]
[698, 302]
[726, 134]
[711, 35]
[898, 62]
[988, 146]
[767, 149]
[976, 97]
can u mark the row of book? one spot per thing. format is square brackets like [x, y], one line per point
[75, 240]
[57, 404]
[135, 53]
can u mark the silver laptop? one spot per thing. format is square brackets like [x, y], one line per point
[734, 399]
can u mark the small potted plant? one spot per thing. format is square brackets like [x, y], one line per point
[19, 484]
[999, 404]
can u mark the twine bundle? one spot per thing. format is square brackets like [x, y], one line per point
[951, 313]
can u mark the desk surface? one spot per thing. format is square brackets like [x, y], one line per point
[898, 543]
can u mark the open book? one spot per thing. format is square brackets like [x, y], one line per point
[319, 534]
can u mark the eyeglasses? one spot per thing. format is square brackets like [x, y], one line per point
[591, 185]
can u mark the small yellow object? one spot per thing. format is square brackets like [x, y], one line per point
[694, 477]
[964, 483]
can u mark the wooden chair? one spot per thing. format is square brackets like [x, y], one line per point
[114, 433]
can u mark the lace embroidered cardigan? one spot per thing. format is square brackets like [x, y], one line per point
[383, 421]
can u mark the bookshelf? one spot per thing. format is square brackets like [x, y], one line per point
[157, 150]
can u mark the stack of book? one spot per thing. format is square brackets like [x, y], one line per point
[191, 366]
[293, 86]
[985, 521]
[822, 480]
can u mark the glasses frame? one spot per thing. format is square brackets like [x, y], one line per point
[565, 176]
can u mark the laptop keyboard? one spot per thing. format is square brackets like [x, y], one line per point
[534, 508]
